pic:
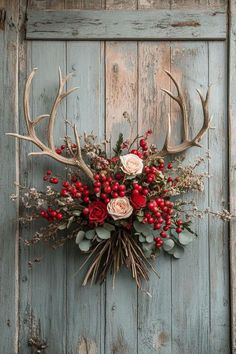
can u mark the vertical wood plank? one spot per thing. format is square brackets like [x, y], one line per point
[9, 238]
[154, 314]
[85, 305]
[121, 95]
[43, 286]
[232, 164]
[190, 275]
[84, 4]
[218, 235]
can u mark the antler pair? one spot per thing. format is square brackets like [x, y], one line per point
[50, 149]
[186, 143]
[77, 159]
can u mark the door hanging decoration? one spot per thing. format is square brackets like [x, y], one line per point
[121, 210]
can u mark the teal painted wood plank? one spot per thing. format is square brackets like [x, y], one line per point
[85, 107]
[218, 199]
[9, 235]
[126, 24]
[232, 164]
[121, 95]
[190, 275]
[154, 313]
[43, 287]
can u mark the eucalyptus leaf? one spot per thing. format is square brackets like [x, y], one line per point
[90, 234]
[147, 246]
[178, 251]
[76, 212]
[185, 238]
[103, 233]
[147, 253]
[168, 245]
[109, 227]
[141, 238]
[79, 237]
[85, 245]
[145, 229]
[149, 238]
[62, 227]
[70, 221]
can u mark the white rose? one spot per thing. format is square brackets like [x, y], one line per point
[131, 164]
[119, 208]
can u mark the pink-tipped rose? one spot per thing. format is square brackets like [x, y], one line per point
[119, 208]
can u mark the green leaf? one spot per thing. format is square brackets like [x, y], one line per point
[145, 229]
[185, 238]
[168, 245]
[79, 237]
[147, 246]
[178, 251]
[62, 227]
[70, 221]
[85, 245]
[103, 233]
[149, 238]
[76, 212]
[147, 253]
[109, 227]
[141, 238]
[90, 234]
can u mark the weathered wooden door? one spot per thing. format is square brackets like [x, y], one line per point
[118, 61]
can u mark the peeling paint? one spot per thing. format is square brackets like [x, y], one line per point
[86, 346]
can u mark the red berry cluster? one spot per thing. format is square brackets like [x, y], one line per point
[76, 189]
[51, 215]
[108, 187]
[137, 189]
[48, 177]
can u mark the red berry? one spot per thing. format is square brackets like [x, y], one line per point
[107, 190]
[53, 213]
[58, 151]
[142, 142]
[122, 194]
[64, 193]
[179, 222]
[157, 226]
[122, 187]
[118, 176]
[49, 172]
[114, 194]
[45, 178]
[78, 185]
[135, 152]
[178, 230]
[145, 191]
[97, 184]
[107, 200]
[97, 177]
[103, 196]
[43, 213]
[63, 147]
[59, 216]
[163, 234]
[65, 184]
[103, 178]
[169, 179]
[170, 166]
[86, 211]
[96, 190]
[86, 199]
[115, 187]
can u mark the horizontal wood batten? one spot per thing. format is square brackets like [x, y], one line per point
[127, 25]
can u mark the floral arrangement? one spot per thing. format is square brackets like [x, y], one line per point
[127, 209]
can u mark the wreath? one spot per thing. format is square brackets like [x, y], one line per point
[121, 210]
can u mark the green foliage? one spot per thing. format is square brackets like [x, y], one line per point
[117, 149]
[103, 233]
[85, 245]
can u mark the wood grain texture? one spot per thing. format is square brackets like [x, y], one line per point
[190, 275]
[126, 24]
[9, 236]
[85, 305]
[232, 164]
[43, 285]
[218, 199]
[121, 96]
[154, 313]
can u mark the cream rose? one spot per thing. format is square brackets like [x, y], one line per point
[131, 164]
[119, 208]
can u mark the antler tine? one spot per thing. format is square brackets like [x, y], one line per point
[59, 97]
[32, 137]
[181, 102]
[206, 120]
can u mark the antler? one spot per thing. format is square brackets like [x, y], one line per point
[49, 149]
[186, 143]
